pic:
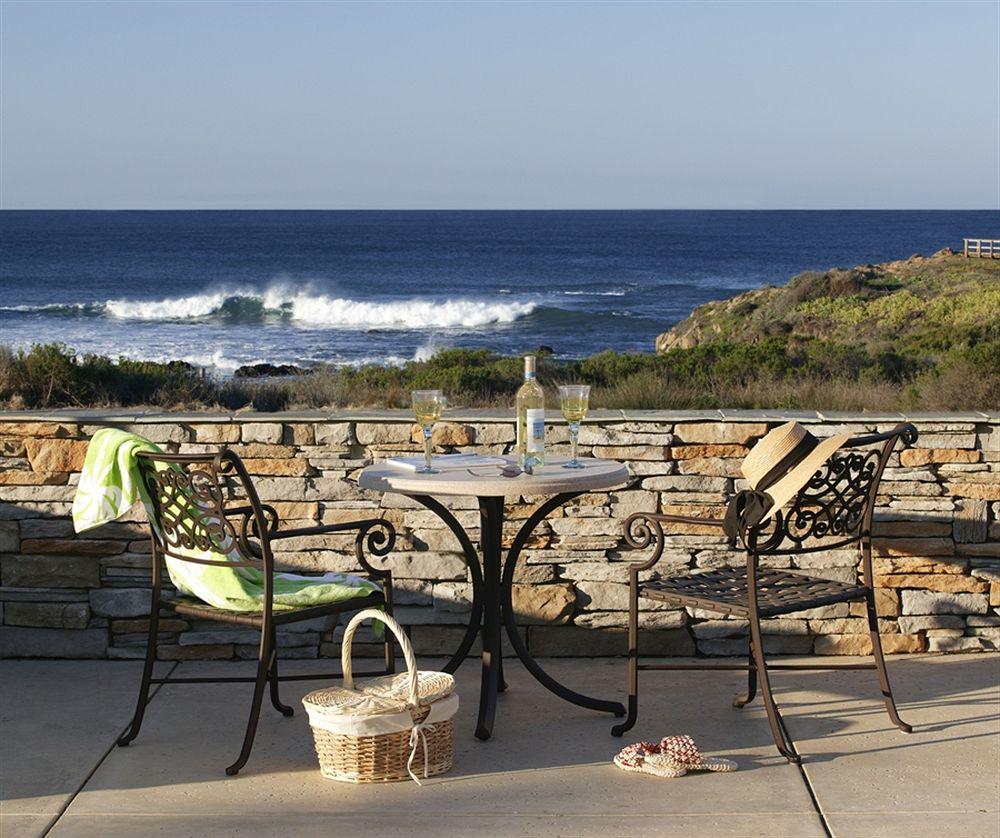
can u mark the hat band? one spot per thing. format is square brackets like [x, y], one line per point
[801, 450]
[745, 511]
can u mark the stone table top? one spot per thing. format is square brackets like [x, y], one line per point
[487, 481]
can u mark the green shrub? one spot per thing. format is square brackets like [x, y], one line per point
[775, 372]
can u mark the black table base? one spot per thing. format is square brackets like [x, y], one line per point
[492, 608]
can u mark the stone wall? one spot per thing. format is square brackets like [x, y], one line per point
[937, 528]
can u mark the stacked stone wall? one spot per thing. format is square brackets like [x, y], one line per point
[937, 535]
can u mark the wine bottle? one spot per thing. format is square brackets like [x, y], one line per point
[530, 419]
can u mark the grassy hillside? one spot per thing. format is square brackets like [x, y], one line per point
[922, 334]
[921, 308]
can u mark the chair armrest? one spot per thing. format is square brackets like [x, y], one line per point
[376, 535]
[248, 522]
[677, 519]
[645, 528]
[322, 529]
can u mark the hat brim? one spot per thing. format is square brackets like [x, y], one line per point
[789, 485]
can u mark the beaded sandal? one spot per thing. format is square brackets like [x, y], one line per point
[674, 756]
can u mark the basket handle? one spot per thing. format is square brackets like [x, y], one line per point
[404, 644]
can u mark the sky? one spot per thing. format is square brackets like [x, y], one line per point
[746, 105]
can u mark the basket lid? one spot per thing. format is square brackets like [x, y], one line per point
[384, 694]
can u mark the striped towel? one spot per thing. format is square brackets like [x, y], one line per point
[110, 485]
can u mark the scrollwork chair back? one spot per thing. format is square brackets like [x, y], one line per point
[190, 496]
[835, 508]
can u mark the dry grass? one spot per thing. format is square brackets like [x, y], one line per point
[765, 376]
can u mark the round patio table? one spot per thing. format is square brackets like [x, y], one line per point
[491, 591]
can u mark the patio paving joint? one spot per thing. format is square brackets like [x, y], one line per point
[815, 800]
[104, 756]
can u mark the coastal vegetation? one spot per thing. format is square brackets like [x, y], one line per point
[923, 333]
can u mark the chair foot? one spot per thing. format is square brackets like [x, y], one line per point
[258, 696]
[743, 700]
[629, 723]
[284, 709]
[782, 740]
[880, 668]
[272, 675]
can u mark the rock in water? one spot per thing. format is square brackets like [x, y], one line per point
[268, 371]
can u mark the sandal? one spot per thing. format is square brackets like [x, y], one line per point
[682, 752]
[674, 756]
[638, 758]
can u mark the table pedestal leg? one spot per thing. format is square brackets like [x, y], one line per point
[472, 560]
[491, 535]
[510, 623]
[492, 607]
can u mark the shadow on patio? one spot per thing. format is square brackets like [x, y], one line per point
[547, 770]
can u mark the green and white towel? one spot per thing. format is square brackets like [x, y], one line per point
[110, 485]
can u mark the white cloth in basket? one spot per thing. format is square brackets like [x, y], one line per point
[381, 705]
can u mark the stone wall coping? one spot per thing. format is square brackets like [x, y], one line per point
[144, 417]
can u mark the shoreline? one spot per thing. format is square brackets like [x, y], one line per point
[923, 331]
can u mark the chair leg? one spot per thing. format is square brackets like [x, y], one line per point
[263, 667]
[633, 665]
[502, 682]
[883, 675]
[389, 650]
[743, 700]
[272, 676]
[778, 730]
[147, 674]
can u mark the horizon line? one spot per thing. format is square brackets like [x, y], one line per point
[500, 209]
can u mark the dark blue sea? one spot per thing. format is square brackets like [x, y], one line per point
[221, 289]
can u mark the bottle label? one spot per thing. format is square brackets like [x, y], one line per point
[535, 429]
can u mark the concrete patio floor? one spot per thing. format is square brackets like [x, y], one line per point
[547, 770]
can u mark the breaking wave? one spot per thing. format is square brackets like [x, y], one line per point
[304, 307]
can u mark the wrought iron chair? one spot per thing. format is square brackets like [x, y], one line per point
[192, 497]
[833, 510]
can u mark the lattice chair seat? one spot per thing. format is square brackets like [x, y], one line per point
[195, 609]
[725, 591]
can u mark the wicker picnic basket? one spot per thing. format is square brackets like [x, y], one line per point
[386, 728]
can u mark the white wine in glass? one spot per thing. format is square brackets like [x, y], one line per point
[574, 398]
[428, 405]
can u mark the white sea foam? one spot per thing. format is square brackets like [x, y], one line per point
[317, 310]
[218, 361]
[427, 350]
[50, 307]
[172, 308]
[403, 314]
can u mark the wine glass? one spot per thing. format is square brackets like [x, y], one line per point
[573, 399]
[427, 408]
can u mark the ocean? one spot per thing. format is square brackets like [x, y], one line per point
[225, 288]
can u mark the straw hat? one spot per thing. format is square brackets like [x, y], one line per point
[784, 460]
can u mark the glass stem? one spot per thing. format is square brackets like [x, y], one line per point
[428, 431]
[574, 431]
